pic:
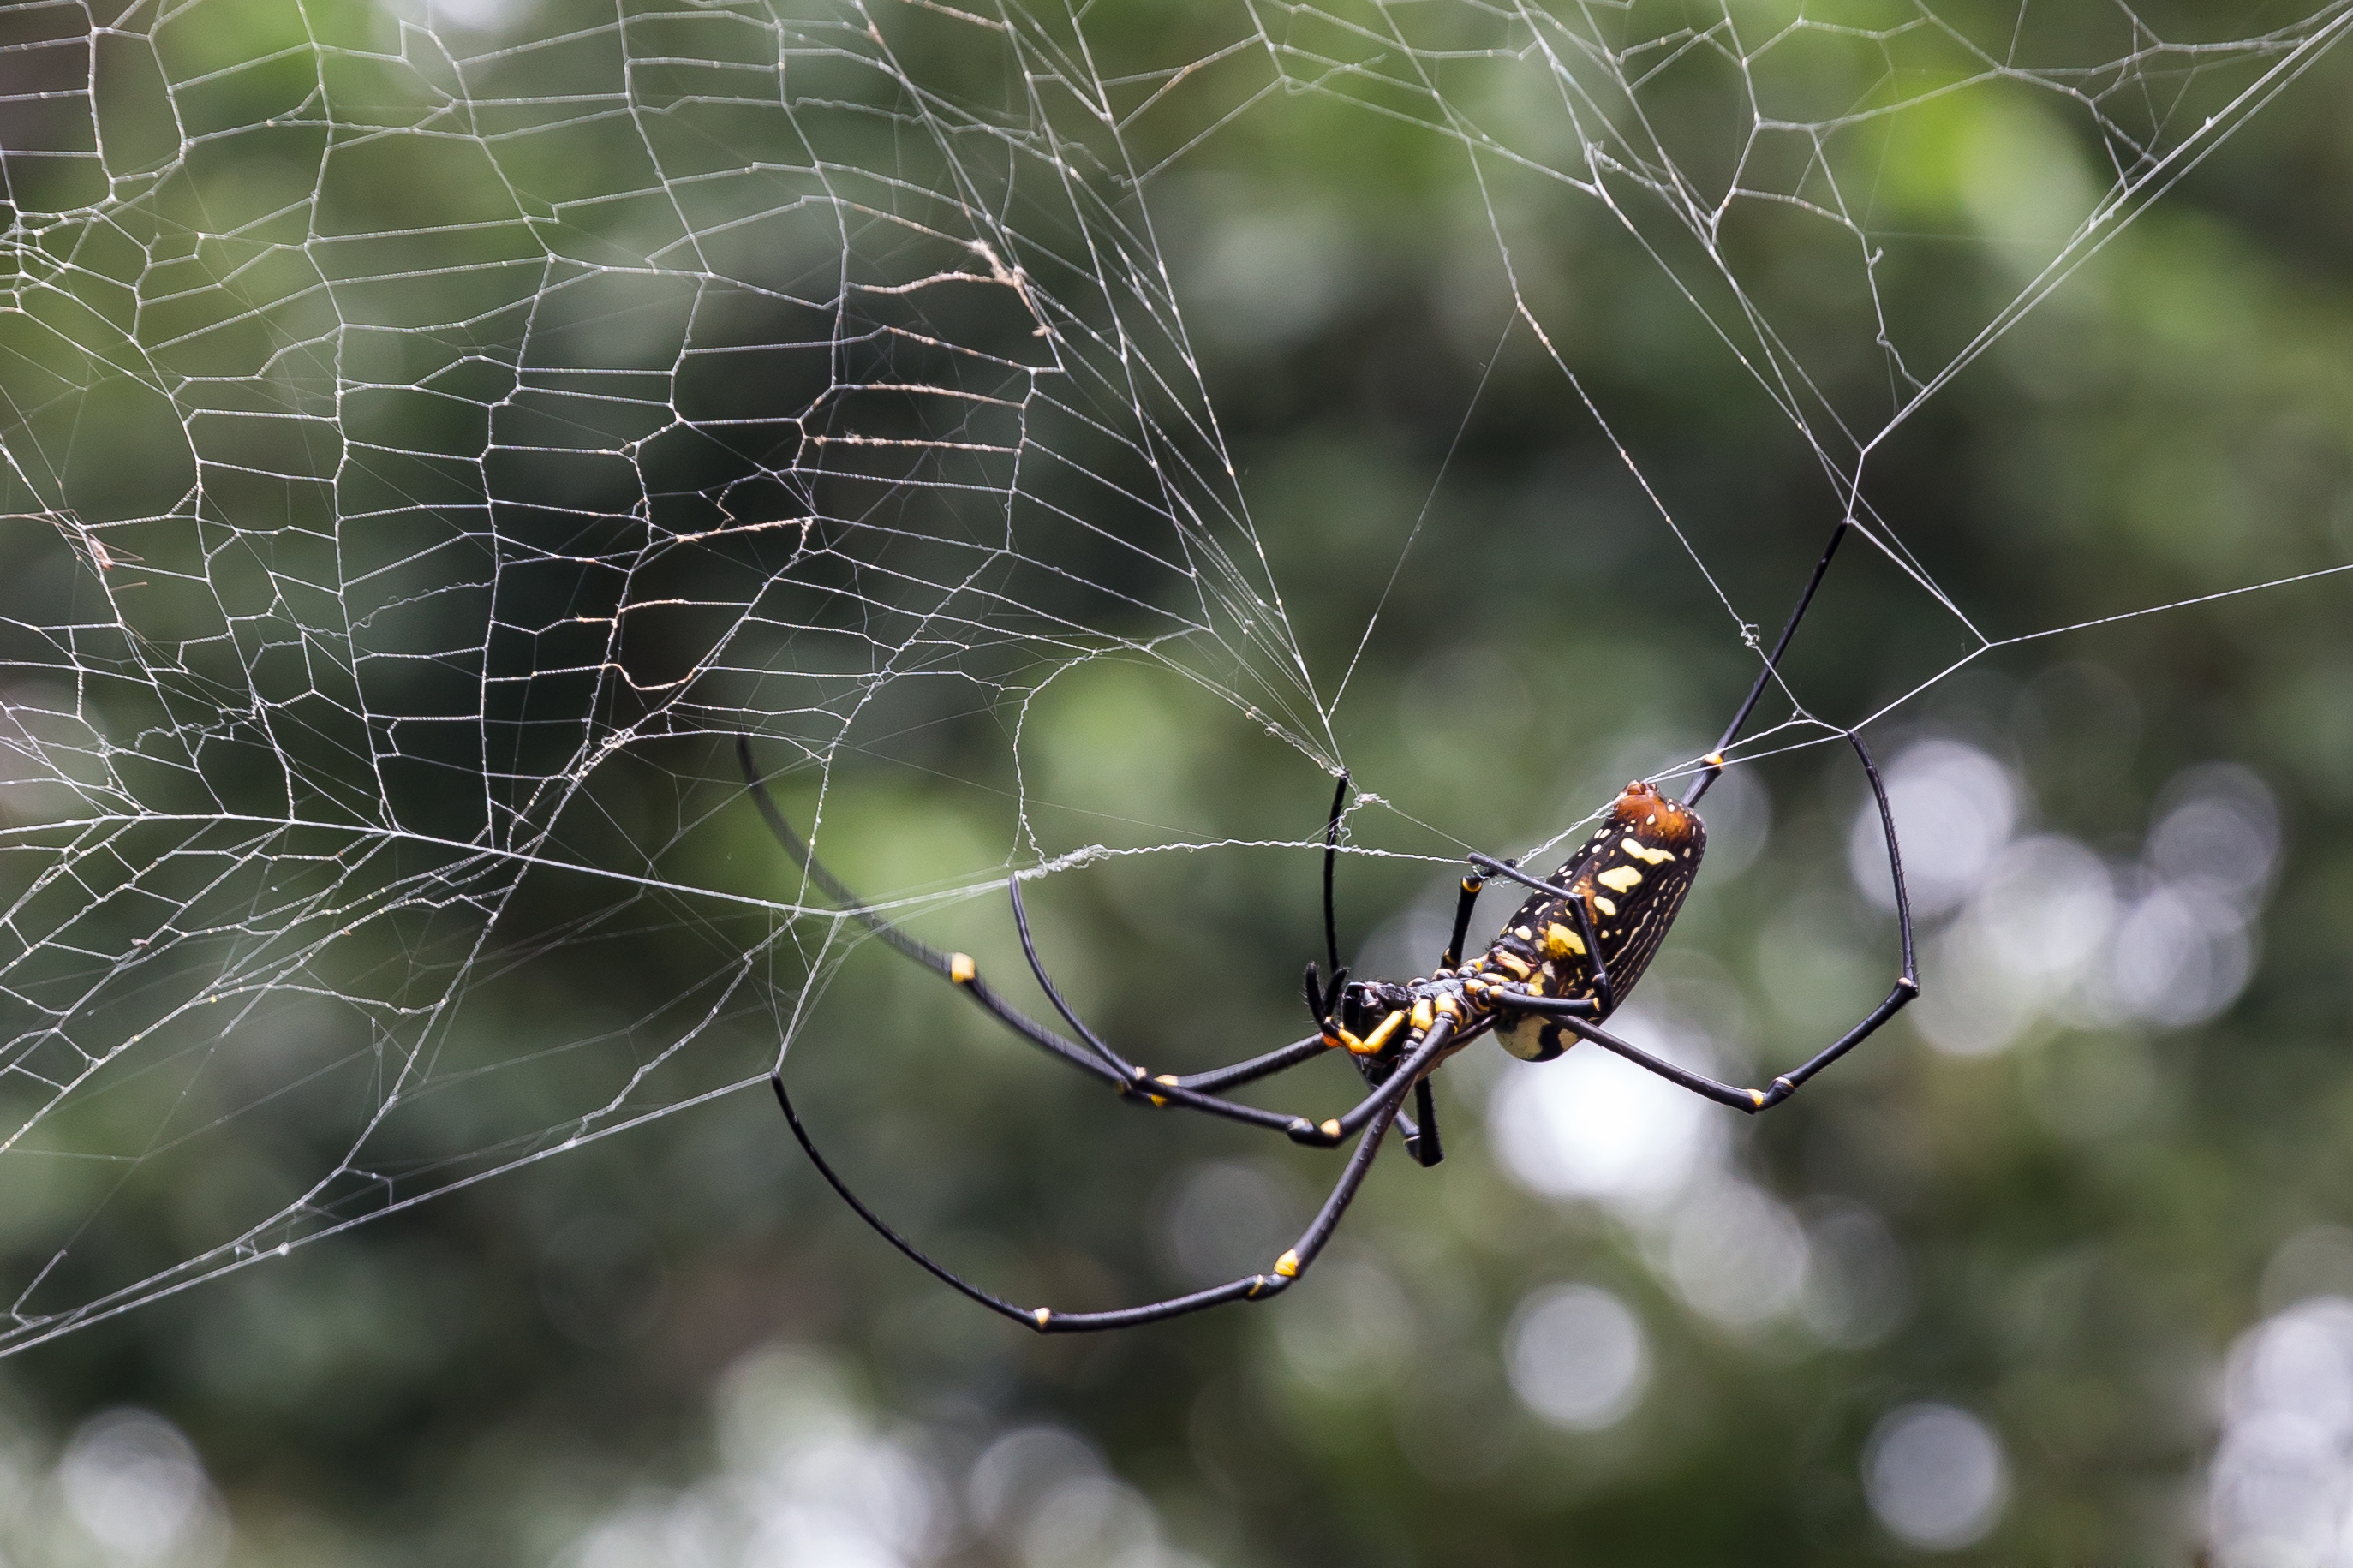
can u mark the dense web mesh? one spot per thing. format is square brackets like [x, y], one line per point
[431, 435]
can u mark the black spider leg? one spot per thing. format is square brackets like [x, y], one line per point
[1331, 855]
[1098, 1059]
[1189, 1092]
[1765, 676]
[1568, 875]
[1426, 1152]
[1573, 1014]
[1322, 999]
[1462, 905]
[1383, 1107]
[1126, 1071]
[965, 975]
[1426, 1148]
[930, 958]
[1420, 1130]
[1321, 995]
[1250, 1287]
[1278, 1060]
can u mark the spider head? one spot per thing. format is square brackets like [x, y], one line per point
[1365, 1002]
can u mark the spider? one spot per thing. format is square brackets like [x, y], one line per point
[1561, 966]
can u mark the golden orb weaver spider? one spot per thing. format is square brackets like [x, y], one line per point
[1561, 966]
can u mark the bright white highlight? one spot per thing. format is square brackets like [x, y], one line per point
[1736, 1255]
[136, 1488]
[1954, 808]
[1595, 1128]
[1578, 1357]
[1936, 1477]
[807, 1478]
[2281, 1487]
[1591, 1125]
[2044, 929]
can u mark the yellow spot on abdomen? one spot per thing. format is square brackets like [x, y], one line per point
[1621, 880]
[1644, 853]
[1560, 942]
[1604, 905]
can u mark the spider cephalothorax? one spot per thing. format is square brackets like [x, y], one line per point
[1568, 958]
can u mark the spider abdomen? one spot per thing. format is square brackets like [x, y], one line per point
[1619, 893]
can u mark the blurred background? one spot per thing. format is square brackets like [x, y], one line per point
[433, 433]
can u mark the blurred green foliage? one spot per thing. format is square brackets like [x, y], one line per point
[2076, 1226]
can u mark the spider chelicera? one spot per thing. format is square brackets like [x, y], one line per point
[1561, 966]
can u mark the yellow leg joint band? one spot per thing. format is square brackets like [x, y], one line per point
[960, 968]
[1288, 1266]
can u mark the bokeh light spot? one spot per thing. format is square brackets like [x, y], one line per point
[1578, 1357]
[1936, 1477]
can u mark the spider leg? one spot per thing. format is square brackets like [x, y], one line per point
[1469, 895]
[965, 975]
[1714, 768]
[1390, 1091]
[1167, 1088]
[1747, 1099]
[1320, 1003]
[962, 975]
[1331, 855]
[1124, 1068]
[1257, 1067]
[1567, 875]
[1096, 1057]
[1196, 1086]
[1422, 1129]
[1601, 987]
[1384, 1105]
[1253, 1287]
[1574, 1014]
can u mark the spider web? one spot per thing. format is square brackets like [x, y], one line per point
[432, 435]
